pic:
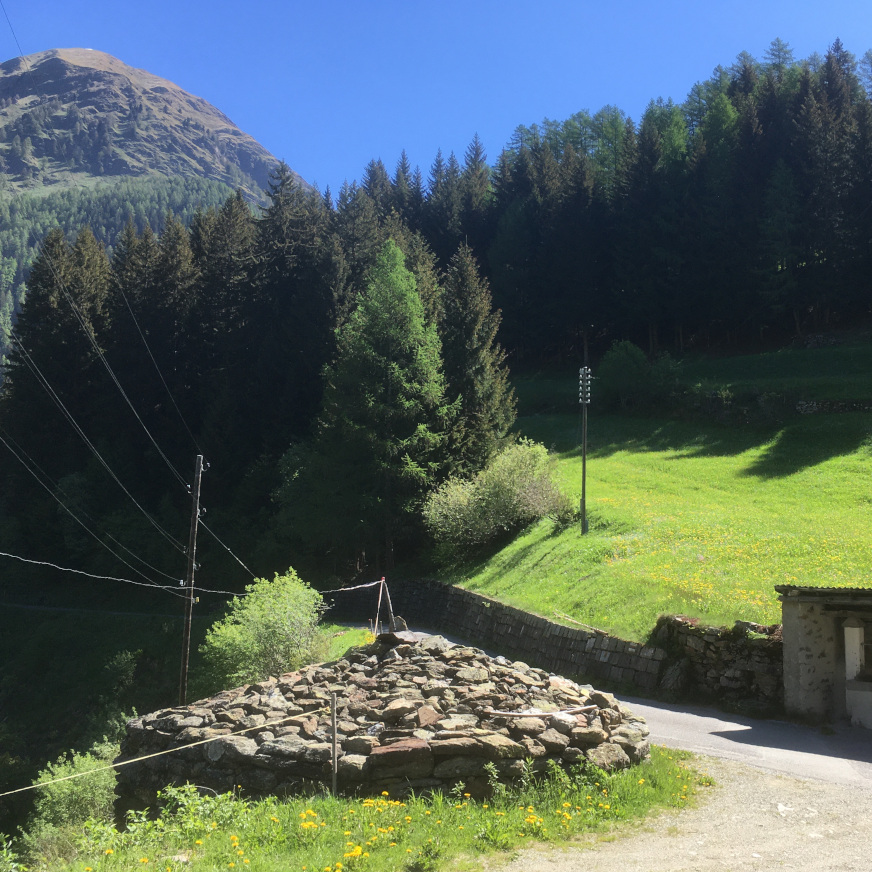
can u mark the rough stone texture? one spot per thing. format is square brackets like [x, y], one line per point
[740, 666]
[390, 736]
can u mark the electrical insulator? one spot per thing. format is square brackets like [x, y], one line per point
[584, 385]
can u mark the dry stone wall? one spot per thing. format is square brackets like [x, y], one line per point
[414, 712]
[741, 666]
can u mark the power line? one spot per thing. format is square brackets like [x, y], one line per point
[76, 518]
[160, 374]
[88, 331]
[165, 587]
[24, 459]
[20, 52]
[155, 754]
[225, 547]
[34, 368]
[92, 338]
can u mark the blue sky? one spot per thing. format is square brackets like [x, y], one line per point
[331, 87]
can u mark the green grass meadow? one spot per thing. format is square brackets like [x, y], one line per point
[693, 517]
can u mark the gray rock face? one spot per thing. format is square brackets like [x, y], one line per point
[413, 713]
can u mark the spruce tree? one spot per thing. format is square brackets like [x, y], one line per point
[380, 442]
[475, 369]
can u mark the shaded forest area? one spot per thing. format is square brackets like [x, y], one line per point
[738, 218]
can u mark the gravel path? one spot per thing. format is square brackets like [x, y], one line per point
[751, 820]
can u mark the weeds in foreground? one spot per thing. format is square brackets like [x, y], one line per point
[415, 834]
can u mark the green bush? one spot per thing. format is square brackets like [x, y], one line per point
[61, 809]
[8, 859]
[626, 379]
[271, 630]
[513, 490]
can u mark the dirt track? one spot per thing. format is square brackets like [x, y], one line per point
[752, 820]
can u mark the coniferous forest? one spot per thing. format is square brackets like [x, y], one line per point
[263, 338]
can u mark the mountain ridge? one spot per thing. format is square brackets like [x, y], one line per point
[71, 114]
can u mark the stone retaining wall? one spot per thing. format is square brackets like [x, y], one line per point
[740, 666]
[515, 633]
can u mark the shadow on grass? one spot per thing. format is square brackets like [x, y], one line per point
[802, 443]
[811, 441]
[481, 562]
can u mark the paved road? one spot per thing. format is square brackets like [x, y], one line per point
[841, 756]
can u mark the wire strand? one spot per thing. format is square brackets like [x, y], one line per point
[89, 332]
[79, 520]
[160, 374]
[164, 587]
[12, 29]
[202, 523]
[155, 754]
[30, 464]
[43, 381]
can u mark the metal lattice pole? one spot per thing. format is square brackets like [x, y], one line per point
[584, 401]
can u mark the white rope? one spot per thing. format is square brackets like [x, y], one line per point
[156, 754]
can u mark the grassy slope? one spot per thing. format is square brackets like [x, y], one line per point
[695, 518]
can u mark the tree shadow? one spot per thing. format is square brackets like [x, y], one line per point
[800, 443]
[811, 441]
[481, 561]
[681, 438]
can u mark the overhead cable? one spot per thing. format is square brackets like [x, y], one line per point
[164, 587]
[225, 547]
[160, 374]
[31, 465]
[89, 332]
[34, 368]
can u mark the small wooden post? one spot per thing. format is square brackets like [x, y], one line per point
[392, 624]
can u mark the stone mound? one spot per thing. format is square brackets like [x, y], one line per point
[414, 712]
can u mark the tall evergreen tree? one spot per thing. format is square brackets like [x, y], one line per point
[380, 443]
[475, 369]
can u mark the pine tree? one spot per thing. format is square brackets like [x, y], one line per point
[377, 185]
[379, 447]
[475, 195]
[475, 369]
[290, 320]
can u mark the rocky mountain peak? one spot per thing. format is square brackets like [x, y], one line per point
[66, 114]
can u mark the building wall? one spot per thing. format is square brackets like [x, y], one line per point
[814, 671]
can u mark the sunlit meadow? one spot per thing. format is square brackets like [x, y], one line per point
[702, 519]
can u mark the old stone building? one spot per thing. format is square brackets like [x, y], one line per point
[827, 646]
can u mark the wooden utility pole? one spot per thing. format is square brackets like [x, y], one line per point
[192, 565]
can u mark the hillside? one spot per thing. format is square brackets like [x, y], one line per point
[70, 115]
[697, 510]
